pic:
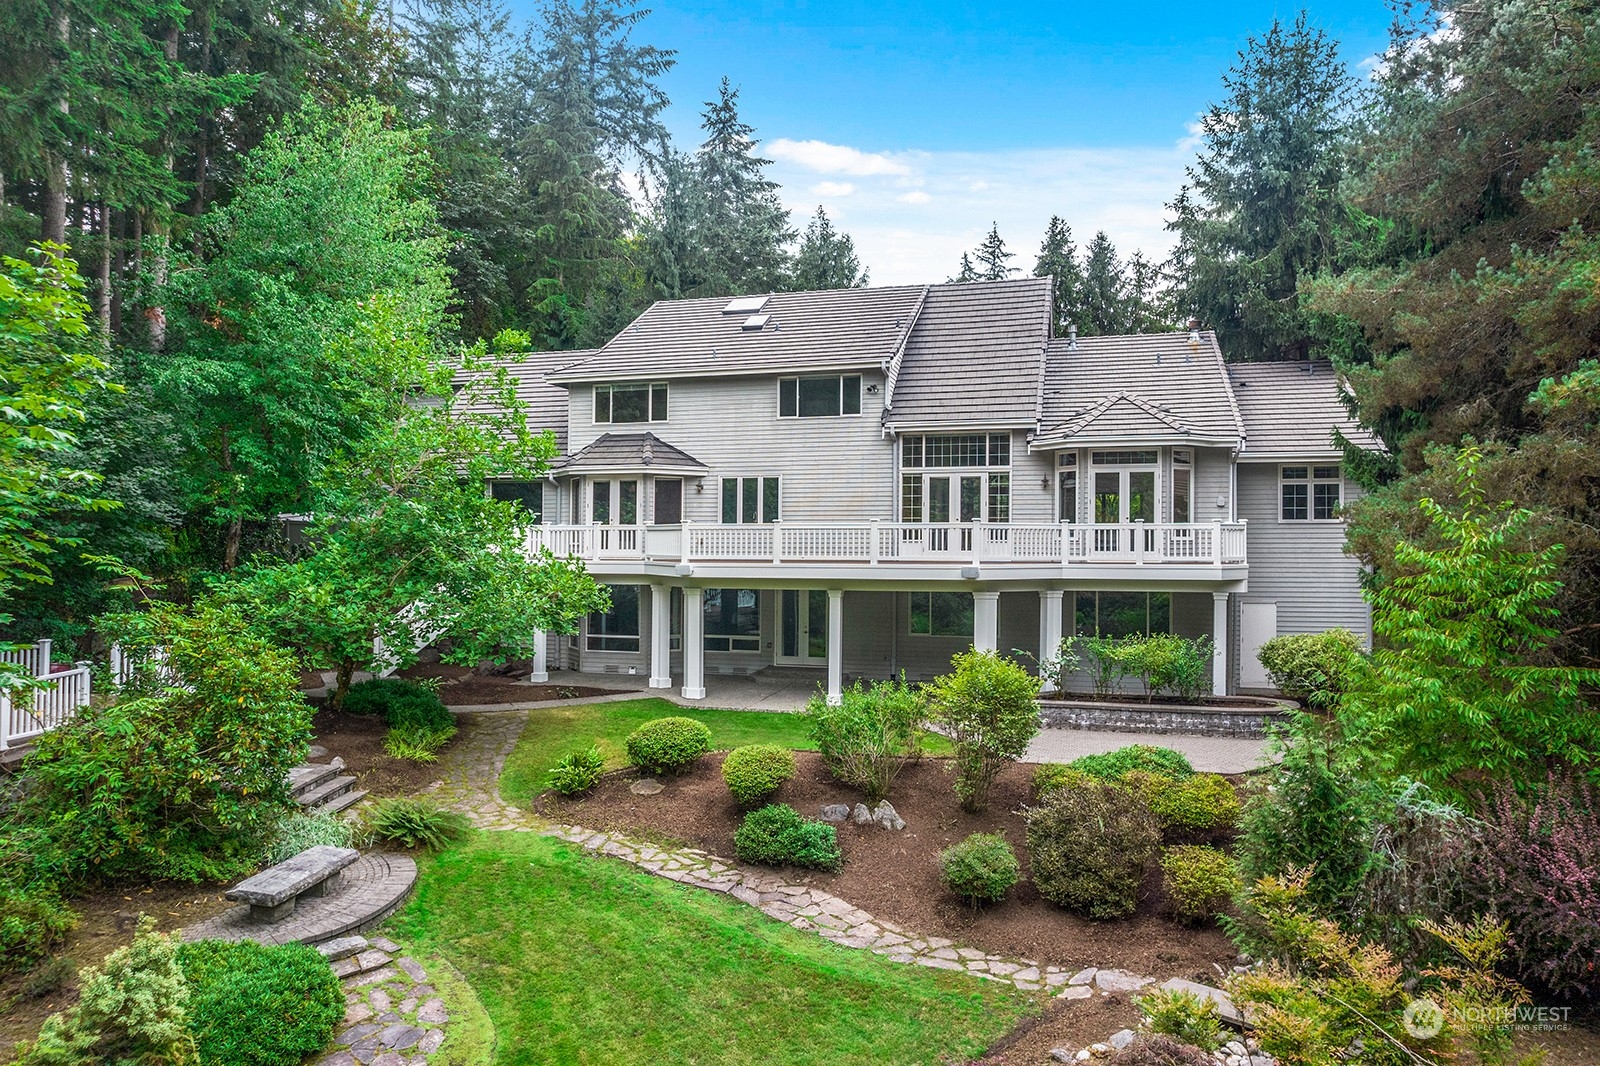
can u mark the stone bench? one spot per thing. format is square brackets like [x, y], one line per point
[272, 892]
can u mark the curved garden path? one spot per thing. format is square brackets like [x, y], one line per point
[469, 783]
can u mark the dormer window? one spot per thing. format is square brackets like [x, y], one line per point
[819, 397]
[631, 403]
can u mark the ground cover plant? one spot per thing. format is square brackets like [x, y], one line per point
[777, 835]
[252, 1004]
[869, 736]
[661, 965]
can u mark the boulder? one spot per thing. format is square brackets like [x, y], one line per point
[860, 815]
[1121, 1038]
[835, 812]
[887, 817]
[1225, 1006]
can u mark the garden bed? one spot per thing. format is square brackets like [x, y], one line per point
[1212, 716]
[460, 686]
[895, 875]
[358, 740]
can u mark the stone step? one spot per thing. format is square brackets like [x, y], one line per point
[325, 790]
[309, 775]
[341, 802]
[11, 758]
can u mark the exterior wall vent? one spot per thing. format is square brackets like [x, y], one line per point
[746, 305]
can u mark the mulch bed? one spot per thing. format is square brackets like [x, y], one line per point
[896, 875]
[461, 686]
[1071, 1023]
[358, 740]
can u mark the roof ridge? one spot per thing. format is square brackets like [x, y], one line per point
[1227, 387]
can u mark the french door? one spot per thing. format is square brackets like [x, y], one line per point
[1123, 495]
[951, 498]
[803, 627]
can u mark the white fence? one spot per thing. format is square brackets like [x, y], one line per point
[29, 712]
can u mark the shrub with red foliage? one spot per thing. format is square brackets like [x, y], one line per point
[1538, 867]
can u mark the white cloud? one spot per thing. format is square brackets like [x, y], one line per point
[1120, 190]
[825, 158]
[832, 188]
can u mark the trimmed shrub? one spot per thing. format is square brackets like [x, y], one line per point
[869, 737]
[577, 772]
[33, 920]
[776, 835]
[1196, 803]
[754, 772]
[1159, 1049]
[1199, 882]
[1538, 867]
[414, 823]
[668, 745]
[1183, 1015]
[300, 829]
[1053, 775]
[1114, 764]
[417, 743]
[1089, 844]
[981, 869]
[987, 707]
[1166, 663]
[1313, 668]
[252, 1004]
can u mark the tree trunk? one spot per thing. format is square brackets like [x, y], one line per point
[230, 546]
[53, 204]
[341, 687]
[119, 266]
[157, 314]
[103, 297]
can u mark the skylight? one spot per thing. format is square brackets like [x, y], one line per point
[745, 305]
[755, 322]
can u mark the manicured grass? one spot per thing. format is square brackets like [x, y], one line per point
[585, 961]
[555, 731]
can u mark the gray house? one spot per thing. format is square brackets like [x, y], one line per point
[866, 481]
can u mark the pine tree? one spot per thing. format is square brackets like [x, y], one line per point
[1105, 290]
[1058, 259]
[826, 259]
[747, 225]
[992, 257]
[967, 272]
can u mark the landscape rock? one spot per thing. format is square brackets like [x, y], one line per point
[1225, 1008]
[1119, 981]
[1061, 1054]
[1121, 1038]
[835, 812]
[860, 815]
[887, 817]
[646, 786]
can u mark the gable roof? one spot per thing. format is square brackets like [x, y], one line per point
[974, 356]
[1292, 409]
[545, 403]
[1166, 388]
[630, 453]
[806, 332]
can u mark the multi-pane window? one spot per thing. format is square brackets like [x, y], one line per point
[1067, 487]
[631, 403]
[999, 497]
[1122, 614]
[956, 449]
[819, 397]
[910, 497]
[1310, 492]
[618, 628]
[529, 495]
[1145, 457]
[732, 620]
[1182, 485]
[621, 506]
[941, 614]
[749, 500]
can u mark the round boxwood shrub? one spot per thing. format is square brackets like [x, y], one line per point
[252, 1004]
[1115, 764]
[1089, 843]
[1199, 802]
[776, 835]
[577, 772]
[982, 868]
[668, 745]
[1199, 881]
[1314, 668]
[755, 771]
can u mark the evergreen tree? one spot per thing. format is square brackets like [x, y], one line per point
[992, 257]
[967, 271]
[747, 227]
[826, 259]
[1260, 210]
[677, 263]
[1105, 290]
[1058, 259]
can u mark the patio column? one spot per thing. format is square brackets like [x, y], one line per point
[835, 646]
[694, 644]
[1219, 643]
[541, 657]
[660, 636]
[1049, 624]
[986, 621]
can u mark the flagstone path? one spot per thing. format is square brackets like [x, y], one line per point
[469, 783]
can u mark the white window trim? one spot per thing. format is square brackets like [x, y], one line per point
[589, 637]
[797, 416]
[1310, 481]
[761, 499]
[649, 387]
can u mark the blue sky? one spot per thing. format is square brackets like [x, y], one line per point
[917, 124]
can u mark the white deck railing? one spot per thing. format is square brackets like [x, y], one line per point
[28, 712]
[874, 542]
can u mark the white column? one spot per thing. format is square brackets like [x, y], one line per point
[660, 636]
[1219, 645]
[694, 644]
[835, 646]
[1049, 622]
[986, 621]
[541, 657]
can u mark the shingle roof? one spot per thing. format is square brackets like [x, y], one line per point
[1291, 410]
[630, 452]
[838, 329]
[545, 404]
[1155, 387]
[974, 356]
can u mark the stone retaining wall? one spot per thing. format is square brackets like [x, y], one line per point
[1161, 718]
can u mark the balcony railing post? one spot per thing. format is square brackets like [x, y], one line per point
[1216, 545]
[777, 541]
[1138, 543]
[976, 531]
[5, 720]
[686, 534]
[873, 546]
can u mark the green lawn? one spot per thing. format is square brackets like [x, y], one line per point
[555, 731]
[585, 961]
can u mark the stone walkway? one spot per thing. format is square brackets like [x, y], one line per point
[469, 784]
[392, 1016]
